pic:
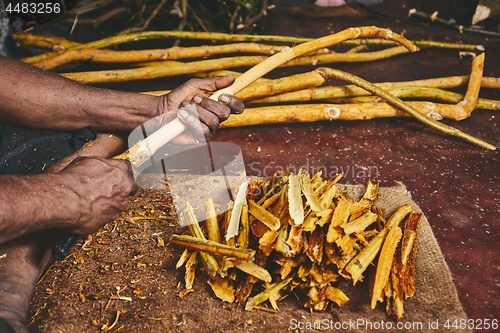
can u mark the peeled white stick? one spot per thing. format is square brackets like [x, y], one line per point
[234, 222]
[145, 148]
[169, 131]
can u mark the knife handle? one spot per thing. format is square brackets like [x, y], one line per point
[63, 246]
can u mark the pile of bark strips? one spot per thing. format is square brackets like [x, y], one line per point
[302, 235]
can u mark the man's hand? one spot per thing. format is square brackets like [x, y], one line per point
[193, 95]
[101, 189]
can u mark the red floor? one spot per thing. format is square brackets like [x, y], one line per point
[455, 183]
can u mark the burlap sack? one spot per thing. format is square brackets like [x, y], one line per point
[434, 308]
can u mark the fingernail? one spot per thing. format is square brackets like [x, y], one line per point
[197, 99]
[183, 114]
[224, 99]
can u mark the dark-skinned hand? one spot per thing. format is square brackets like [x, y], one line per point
[100, 189]
[200, 114]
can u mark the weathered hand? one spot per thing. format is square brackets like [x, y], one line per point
[201, 114]
[101, 188]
